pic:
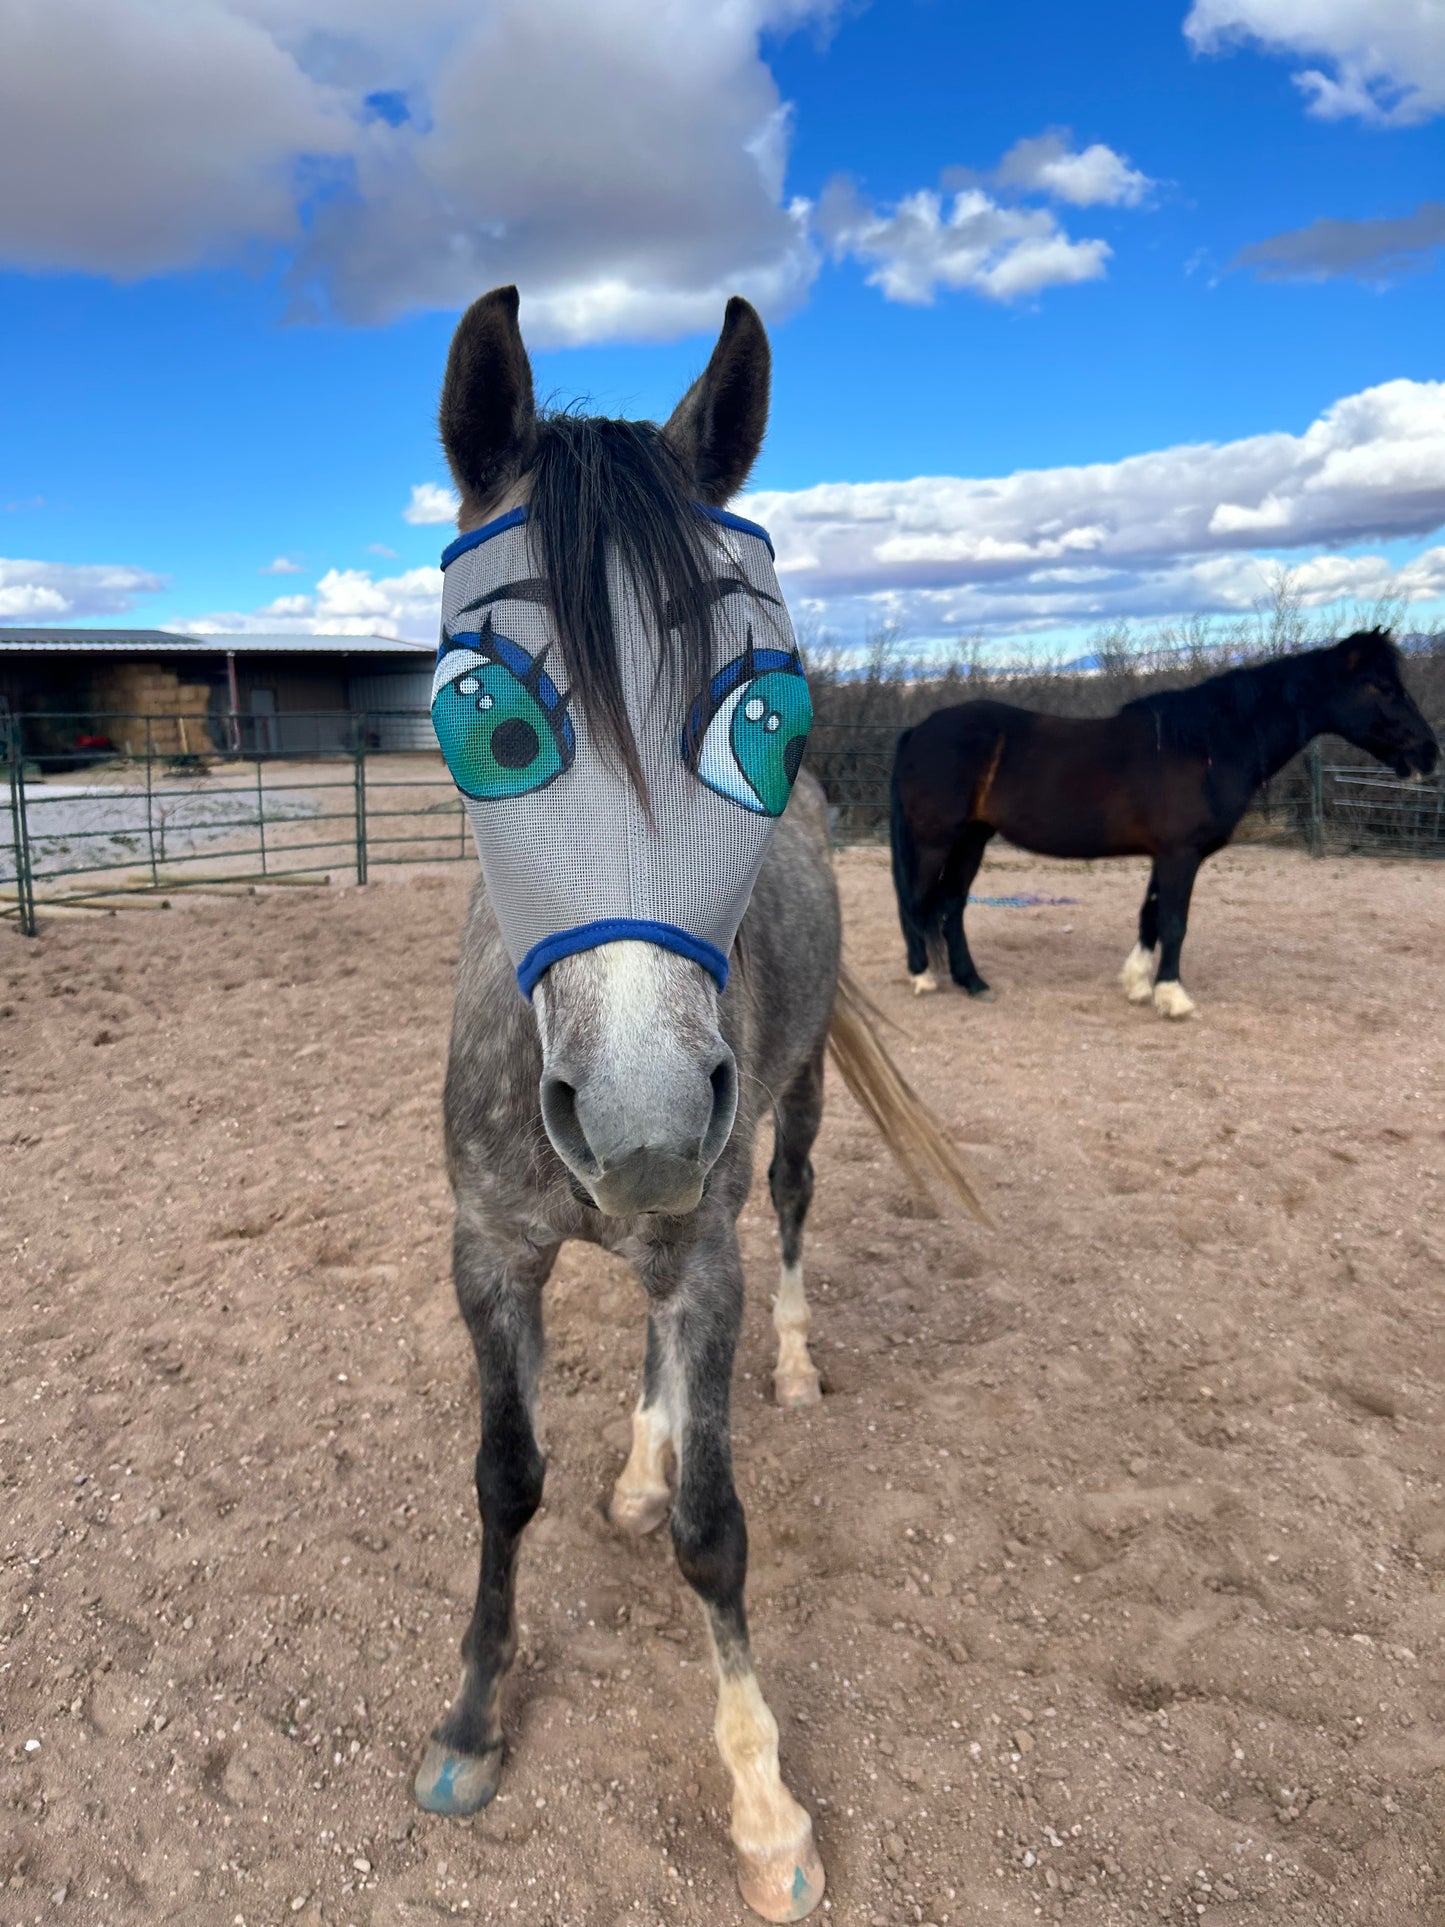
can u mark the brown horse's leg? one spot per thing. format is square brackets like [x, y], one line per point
[1176, 876]
[501, 1300]
[958, 881]
[916, 875]
[1137, 975]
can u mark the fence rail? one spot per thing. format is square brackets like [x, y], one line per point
[89, 824]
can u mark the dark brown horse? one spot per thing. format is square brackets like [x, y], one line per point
[1167, 777]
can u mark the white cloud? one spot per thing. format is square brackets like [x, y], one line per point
[431, 503]
[1385, 59]
[283, 565]
[58, 592]
[916, 247]
[622, 160]
[1095, 177]
[346, 602]
[1181, 530]
[1161, 533]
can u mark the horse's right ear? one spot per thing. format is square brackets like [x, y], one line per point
[488, 417]
[717, 428]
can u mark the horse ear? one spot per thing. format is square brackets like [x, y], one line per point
[717, 428]
[488, 417]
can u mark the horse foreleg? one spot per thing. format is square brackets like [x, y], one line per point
[642, 1498]
[779, 1872]
[1137, 975]
[1176, 882]
[790, 1181]
[502, 1305]
[963, 867]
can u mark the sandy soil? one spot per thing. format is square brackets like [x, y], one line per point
[1104, 1587]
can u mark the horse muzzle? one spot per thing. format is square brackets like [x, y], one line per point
[644, 1147]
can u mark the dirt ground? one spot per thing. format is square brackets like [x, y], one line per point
[1105, 1586]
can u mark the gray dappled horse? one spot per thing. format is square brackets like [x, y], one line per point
[619, 1103]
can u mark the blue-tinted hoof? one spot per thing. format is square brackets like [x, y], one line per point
[456, 1784]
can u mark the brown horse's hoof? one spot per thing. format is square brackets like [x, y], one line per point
[457, 1784]
[984, 996]
[795, 1391]
[638, 1513]
[786, 1885]
[1173, 1000]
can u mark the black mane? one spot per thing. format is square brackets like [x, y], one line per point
[597, 487]
[1255, 702]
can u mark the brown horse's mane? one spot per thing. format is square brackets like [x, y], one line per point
[1249, 700]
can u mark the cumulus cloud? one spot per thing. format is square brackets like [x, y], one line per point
[975, 233]
[623, 160]
[1094, 177]
[920, 245]
[431, 503]
[1375, 251]
[1384, 60]
[1160, 533]
[58, 592]
[283, 565]
[345, 602]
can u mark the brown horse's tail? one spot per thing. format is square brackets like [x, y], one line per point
[911, 1131]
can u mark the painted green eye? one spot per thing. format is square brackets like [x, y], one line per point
[745, 739]
[503, 728]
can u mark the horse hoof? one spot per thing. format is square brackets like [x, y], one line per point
[638, 1513]
[794, 1391]
[1173, 1000]
[1137, 976]
[983, 995]
[456, 1784]
[786, 1885]
[923, 984]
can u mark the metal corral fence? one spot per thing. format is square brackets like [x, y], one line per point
[114, 816]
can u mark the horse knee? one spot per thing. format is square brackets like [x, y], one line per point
[711, 1544]
[509, 1484]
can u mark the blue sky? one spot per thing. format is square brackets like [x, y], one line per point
[1018, 263]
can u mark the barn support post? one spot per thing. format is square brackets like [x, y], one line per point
[19, 830]
[233, 731]
[1317, 800]
[360, 792]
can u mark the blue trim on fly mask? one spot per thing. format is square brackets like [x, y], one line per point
[591, 936]
[474, 539]
[514, 518]
[731, 521]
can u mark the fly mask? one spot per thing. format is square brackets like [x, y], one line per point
[573, 854]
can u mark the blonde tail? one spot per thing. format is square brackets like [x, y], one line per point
[914, 1135]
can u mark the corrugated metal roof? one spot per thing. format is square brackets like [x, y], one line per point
[169, 642]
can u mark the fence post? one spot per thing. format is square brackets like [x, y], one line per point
[1317, 800]
[24, 884]
[150, 819]
[360, 759]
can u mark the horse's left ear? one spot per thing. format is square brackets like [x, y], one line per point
[488, 419]
[717, 428]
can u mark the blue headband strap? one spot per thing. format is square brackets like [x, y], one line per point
[515, 517]
[592, 936]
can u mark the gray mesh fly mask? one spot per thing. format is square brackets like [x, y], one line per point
[570, 857]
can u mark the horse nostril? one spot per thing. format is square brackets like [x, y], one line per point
[724, 1080]
[564, 1127]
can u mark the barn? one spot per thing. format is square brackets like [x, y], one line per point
[277, 694]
